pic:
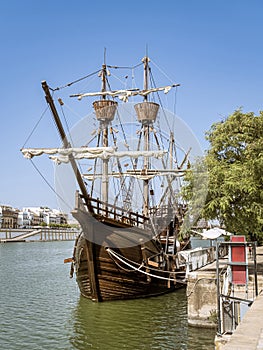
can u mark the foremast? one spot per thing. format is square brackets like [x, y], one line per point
[94, 286]
[65, 141]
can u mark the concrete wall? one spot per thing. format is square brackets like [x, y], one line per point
[202, 299]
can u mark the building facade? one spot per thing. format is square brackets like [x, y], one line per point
[30, 217]
[9, 217]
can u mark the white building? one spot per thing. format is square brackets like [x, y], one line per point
[24, 219]
[35, 216]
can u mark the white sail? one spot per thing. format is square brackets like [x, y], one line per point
[93, 152]
[138, 174]
[106, 155]
[125, 94]
[62, 155]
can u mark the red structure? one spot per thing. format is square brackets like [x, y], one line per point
[239, 260]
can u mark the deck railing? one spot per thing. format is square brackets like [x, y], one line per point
[116, 213]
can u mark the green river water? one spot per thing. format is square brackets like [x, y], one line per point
[41, 308]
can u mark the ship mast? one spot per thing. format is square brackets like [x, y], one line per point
[66, 143]
[105, 111]
[90, 245]
[146, 114]
[146, 141]
[105, 164]
[171, 167]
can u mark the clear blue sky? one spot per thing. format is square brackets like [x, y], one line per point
[213, 48]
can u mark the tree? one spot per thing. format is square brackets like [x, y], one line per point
[234, 163]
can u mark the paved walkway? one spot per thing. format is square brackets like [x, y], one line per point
[249, 333]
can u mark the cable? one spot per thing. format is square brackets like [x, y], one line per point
[39, 172]
[143, 272]
[66, 123]
[162, 71]
[75, 81]
[140, 265]
[119, 67]
[160, 101]
[42, 115]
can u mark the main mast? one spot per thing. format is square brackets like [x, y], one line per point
[146, 113]
[105, 111]
[105, 164]
[146, 139]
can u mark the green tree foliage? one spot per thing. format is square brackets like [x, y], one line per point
[234, 163]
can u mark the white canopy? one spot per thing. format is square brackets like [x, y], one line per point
[213, 233]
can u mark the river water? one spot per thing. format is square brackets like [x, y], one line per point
[41, 308]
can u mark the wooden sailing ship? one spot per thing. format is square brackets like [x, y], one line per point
[124, 251]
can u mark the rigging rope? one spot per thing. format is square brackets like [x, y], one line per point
[68, 130]
[66, 123]
[75, 81]
[175, 105]
[119, 67]
[162, 71]
[121, 267]
[175, 99]
[34, 128]
[95, 164]
[122, 186]
[51, 187]
[160, 101]
[139, 268]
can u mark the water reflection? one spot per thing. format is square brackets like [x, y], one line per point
[155, 323]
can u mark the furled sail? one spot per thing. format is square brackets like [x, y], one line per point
[125, 94]
[93, 152]
[62, 155]
[139, 174]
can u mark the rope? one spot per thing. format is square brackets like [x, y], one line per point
[160, 101]
[75, 81]
[119, 67]
[39, 172]
[121, 267]
[42, 115]
[139, 269]
[66, 123]
[68, 130]
[162, 71]
[175, 106]
[148, 267]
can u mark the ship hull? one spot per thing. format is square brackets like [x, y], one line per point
[113, 263]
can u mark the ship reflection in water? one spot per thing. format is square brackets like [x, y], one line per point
[153, 323]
